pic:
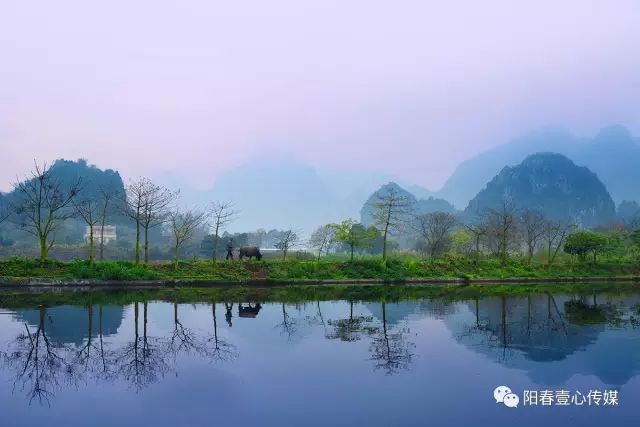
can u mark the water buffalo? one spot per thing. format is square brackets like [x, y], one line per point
[250, 251]
[250, 311]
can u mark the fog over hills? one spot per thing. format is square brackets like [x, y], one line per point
[282, 192]
[551, 184]
[613, 154]
[289, 193]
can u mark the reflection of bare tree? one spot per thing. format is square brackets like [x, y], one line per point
[106, 369]
[40, 365]
[221, 351]
[186, 341]
[518, 323]
[140, 361]
[390, 349]
[88, 355]
[288, 326]
[317, 319]
[349, 329]
[183, 340]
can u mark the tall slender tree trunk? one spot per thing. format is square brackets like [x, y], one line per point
[384, 244]
[44, 248]
[503, 252]
[216, 240]
[146, 245]
[91, 249]
[177, 255]
[137, 242]
[102, 238]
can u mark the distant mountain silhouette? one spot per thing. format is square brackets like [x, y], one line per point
[552, 184]
[282, 193]
[91, 178]
[613, 154]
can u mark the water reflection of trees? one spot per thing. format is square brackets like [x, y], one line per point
[220, 349]
[41, 368]
[141, 361]
[542, 326]
[39, 365]
[390, 349]
[289, 325]
[351, 328]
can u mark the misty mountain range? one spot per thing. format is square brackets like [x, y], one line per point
[552, 184]
[288, 194]
[613, 154]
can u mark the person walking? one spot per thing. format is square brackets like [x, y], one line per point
[230, 250]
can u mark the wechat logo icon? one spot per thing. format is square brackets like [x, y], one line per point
[503, 394]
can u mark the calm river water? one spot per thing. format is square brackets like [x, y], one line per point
[407, 363]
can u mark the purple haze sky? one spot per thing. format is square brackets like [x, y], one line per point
[409, 88]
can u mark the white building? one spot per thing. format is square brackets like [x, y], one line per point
[109, 233]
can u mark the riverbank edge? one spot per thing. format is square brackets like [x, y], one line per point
[22, 283]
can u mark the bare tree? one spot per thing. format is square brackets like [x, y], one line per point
[288, 239]
[502, 224]
[155, 210]
[554, 233]
[106, 198]
[222, 214]
[133, 206]
[478, 230]
[89, 210]
[5, 212]
[322, 238]
[533, 225]
[183, 226]
[435, 228]
[43, 203]
[391, 212]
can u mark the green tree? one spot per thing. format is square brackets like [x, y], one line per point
[584, 243]
[354, 235]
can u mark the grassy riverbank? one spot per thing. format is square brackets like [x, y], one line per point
[291, 270]
[302, 294]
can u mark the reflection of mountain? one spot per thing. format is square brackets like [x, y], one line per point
[70, 324]
[403, 310]
[535, 334]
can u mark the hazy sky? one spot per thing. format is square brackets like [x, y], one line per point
[410, 88]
